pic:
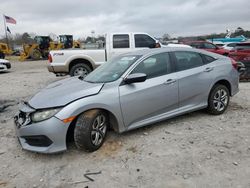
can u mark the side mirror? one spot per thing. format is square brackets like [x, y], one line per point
[155, 45]
[136, 77]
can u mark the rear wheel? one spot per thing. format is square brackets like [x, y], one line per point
[80, 69]
[90, 130]
[218, 100]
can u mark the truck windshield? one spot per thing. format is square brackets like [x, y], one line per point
[112, 70]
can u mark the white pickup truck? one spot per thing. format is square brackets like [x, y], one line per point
[81, 62]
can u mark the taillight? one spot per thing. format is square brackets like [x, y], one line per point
[50, 58]
[234, 63]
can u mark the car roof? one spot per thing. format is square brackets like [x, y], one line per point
[147, 52]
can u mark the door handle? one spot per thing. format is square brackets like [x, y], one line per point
[208, 69]
[170, 81]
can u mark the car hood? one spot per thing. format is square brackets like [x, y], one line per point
[63, 92]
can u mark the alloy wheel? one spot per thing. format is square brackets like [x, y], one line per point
[99, 128]
[220, 100]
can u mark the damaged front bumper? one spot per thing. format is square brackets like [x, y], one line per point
[47, 136]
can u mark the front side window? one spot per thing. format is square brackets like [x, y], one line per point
[154, 66]
[144, 41]
[209, 46]
[187, 60]
[120, 41]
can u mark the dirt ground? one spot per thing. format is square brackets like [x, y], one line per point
[195, 150]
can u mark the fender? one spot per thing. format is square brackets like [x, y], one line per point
[79, 56]
[93, 102]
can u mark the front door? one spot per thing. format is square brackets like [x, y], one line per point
[154, 97]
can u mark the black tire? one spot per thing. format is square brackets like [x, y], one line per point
[218, 100]
[35, 54]
[79, 69]
[90, 132]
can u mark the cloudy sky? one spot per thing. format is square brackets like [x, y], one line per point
[80, 17]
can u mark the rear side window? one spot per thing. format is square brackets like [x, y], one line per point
[208, 59]
[145, 41]
[187, 60]
[120, 41]
[232, 44]
[197, 45]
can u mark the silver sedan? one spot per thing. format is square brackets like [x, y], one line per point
[130, 91]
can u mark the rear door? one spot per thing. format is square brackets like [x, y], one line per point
[153, 97]
[195, 78]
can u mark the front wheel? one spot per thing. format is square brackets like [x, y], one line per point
[218, 100]
[80, 69]
[90, 130]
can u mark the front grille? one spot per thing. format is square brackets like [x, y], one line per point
[38, 140]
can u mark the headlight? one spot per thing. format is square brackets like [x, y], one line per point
[44, 114]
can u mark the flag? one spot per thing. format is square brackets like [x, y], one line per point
[8, 29]
[9, 20]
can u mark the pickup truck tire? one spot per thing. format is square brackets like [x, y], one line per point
[90, 130]
[79, 69]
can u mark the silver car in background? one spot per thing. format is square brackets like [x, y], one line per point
[130, 91]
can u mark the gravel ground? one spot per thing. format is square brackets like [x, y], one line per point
[193, 150]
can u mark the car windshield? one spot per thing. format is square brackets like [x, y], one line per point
[112, 70]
